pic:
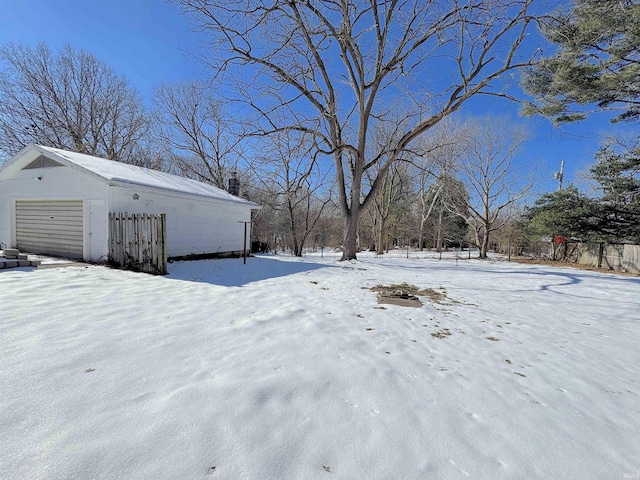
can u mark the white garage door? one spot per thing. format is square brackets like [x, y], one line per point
[51, 227]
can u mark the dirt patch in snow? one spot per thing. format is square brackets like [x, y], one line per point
[441, 334]
[433, 295]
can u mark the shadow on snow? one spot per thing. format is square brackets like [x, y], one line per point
[231, 272]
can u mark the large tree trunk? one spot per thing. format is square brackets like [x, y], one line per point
[350, 211]
[350, 243]
[476, 234]
[485, 244]
[297, 247]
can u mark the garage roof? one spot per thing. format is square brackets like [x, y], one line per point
[121, 173]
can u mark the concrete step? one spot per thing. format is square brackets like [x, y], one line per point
[9, 263]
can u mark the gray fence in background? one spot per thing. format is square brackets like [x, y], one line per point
[623, 258]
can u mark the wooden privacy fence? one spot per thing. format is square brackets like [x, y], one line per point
[138, 241]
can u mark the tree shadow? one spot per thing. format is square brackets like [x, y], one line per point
[557, 276]
[231, 272]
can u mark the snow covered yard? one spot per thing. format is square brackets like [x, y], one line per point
[289, 369]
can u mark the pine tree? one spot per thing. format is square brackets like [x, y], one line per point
[597, 61]
[568, 213]
[617, 172]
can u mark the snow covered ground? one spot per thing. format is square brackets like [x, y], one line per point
[288, 369]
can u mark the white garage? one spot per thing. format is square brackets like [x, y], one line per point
[57, 202]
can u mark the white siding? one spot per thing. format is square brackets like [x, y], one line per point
[194, 225]
[53, 227]
[98, 229]
[56, 183]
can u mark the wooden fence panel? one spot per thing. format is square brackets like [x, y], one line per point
[612, 258]
[138, 241]
[631, 258]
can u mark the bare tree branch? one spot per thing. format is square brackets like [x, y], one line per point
[69, 100]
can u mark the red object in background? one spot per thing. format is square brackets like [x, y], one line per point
[559, 239]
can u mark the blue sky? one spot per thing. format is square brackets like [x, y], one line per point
[150, 43]
[145, 40]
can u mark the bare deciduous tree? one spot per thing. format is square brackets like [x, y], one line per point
[427, 196]
[453, 196]
[288, 173]
[394, 190]
[441, 147]
[340, 68]
[493, 179]
[69, 100]
[198, 136]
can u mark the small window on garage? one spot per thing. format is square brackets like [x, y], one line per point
[43, 162]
